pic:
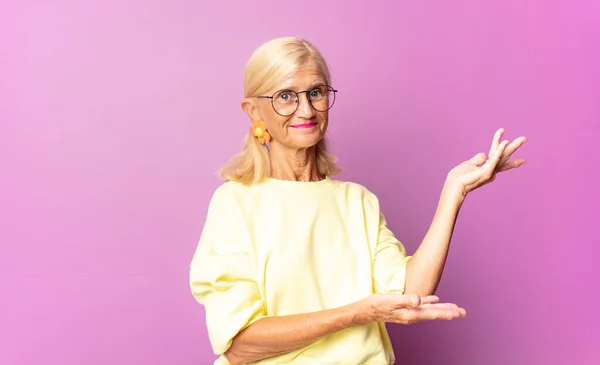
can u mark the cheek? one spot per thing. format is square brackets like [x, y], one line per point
[276, 124]
[324, 118]
[271, 118]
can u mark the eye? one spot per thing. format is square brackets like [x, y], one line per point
[285, 96]
[316, 93]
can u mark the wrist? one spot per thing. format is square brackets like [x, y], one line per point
[358, 313]
[453, 193]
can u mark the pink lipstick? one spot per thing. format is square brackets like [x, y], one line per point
[305, 125]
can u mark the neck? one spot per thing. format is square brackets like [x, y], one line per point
[292, 164]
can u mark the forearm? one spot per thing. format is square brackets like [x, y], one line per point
[273, 336]
[425, 267]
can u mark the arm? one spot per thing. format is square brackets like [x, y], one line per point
[272, 336]
[425, 267]
[223, 279]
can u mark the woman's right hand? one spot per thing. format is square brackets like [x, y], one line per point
[406, 309]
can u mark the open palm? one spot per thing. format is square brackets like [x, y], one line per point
[482, 169]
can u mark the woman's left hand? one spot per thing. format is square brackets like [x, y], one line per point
[481, 169]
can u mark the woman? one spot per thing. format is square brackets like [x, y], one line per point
[295, 267]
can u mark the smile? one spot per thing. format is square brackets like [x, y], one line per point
[305, 125]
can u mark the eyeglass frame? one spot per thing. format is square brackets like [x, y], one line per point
[272, 97]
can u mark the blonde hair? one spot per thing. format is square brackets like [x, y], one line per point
[271, 62]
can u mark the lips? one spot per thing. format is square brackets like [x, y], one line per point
[304, 125]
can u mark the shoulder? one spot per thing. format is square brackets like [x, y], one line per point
[229, 189]
[234, 197]
[355, 187]
[224, 226]
[355, 190]
[224, 195]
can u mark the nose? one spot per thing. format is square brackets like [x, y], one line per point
[305, 110]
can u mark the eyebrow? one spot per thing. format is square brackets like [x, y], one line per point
[314, 84]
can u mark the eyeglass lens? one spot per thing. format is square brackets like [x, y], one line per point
[285, 102]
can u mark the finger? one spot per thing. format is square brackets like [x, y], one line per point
[509, 165]
[444, 309]
[430, 299]
[496, 156]
[496, 139]
[501, 148]
[446, 306]
[511, 148]
[439, 305]
[414, 315]
[478, 159]
[407, 300]
[452, 307]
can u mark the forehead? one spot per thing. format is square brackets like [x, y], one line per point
[305, 76]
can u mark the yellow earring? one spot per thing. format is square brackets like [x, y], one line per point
[259, 130]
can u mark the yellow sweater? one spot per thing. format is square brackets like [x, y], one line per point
[287, 247]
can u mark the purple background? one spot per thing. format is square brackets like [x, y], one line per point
[114, 116]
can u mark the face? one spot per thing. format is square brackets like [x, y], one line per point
[306, 126]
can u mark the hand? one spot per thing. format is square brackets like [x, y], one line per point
[481, 169]
[407, 309]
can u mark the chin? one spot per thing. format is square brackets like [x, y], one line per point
[306, 141]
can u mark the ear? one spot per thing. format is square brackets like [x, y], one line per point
[250, 108]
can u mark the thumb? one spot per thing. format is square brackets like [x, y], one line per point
[478, 159]
[409, 301]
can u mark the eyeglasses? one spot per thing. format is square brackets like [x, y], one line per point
[285, 102]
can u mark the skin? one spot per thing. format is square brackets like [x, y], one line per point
[292, 153]
[292, 150]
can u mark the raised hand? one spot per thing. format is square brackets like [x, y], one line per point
[482, 169]
[407, 309]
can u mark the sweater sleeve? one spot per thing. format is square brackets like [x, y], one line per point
[389, 270]
[222, 275]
